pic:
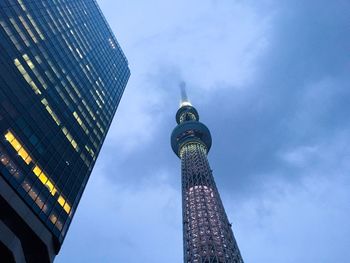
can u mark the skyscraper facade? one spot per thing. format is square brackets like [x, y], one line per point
[207, 233]
[62, 75]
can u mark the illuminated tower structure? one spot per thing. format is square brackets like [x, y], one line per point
[62, 75]
[207, 233]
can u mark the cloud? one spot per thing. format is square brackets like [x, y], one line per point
[297, 99]
[303, 224]
[270, 80]
[118, 224]
[298, 222]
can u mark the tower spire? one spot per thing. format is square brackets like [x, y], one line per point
[184, 99]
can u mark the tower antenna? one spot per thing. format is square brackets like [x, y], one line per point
[184, 99]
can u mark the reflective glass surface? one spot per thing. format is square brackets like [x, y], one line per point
[62, 75]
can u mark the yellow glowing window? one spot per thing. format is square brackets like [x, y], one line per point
[43, 178]
[9, 136]
[29, 62]
[22, 70]
[37, 170]
[67, 208]
[50, 186]
[78, 118]
[18, 147]
[61, 200]
[69, 137]
[17, 63]
[25, 156]
[74, 144]
[26, 76]
[16, 144]
[35, 87]
[44, 101]
[64, 130]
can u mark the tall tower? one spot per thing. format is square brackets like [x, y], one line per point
[207, 233]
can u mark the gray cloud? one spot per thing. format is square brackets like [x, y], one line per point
[270, 80]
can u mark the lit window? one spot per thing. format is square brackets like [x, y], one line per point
[70, 138]
[29, 31]
[67, 208]
[26, 76]
[22, 5]
[92, 153]
[29, 62]
[38, 59]
[61, 200]
[50, 186]
[9, 136]
[44, 179]
[37, 170]
[51, 112]
[74, 144]
[53, 218]
[64, 130]
[36, 27]
[78, 51]
[42, 82]
[10, 35]
[25, 156]
[20, 32]
[80, 122]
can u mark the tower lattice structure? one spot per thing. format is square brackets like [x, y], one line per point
[207, 232]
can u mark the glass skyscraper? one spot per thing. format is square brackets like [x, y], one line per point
[62, 75]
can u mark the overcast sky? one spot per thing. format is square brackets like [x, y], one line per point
[270, 78]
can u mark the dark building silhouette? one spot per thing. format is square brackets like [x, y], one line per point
[62, 75]
[207, 233]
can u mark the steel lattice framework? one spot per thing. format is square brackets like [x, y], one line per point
[207, 233]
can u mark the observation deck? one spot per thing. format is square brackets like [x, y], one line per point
[189, 129]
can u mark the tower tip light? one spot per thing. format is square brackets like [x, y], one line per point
[184, 99]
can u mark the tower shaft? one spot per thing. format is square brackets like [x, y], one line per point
[207, 233]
